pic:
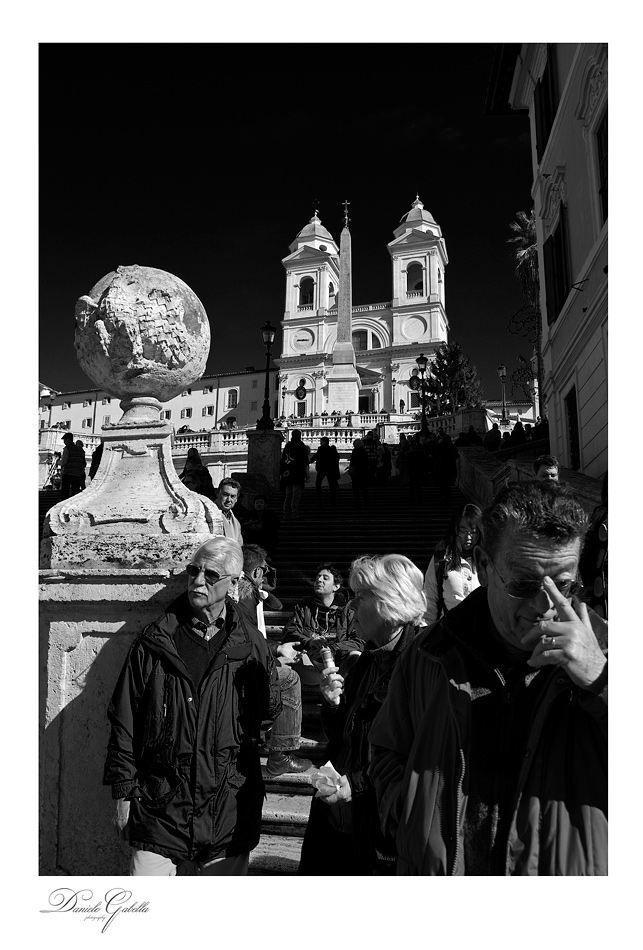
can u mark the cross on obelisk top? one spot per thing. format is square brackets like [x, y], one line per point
[346, 204]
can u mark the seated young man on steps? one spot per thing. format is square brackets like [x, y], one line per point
[323, 620]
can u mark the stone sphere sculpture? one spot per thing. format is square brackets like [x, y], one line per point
[142, 332]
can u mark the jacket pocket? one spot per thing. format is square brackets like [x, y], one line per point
[158, 789]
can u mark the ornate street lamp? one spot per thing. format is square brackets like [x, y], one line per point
[284, 390]
[502, 373]
[268, 333]
[422, 362]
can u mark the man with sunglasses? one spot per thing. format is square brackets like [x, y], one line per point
[489, 756]
[186, 717]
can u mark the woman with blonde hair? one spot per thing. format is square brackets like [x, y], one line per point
[343, 834]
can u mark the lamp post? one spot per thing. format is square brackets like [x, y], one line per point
[284, 390]
[268, 333]
[422, 362]
[394, 383]
[502, 373]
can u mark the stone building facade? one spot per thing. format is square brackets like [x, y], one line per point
[224, 399]
[563, 86]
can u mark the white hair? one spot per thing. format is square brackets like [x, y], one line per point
[396, 584]
[225, 552]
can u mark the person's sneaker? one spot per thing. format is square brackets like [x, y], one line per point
[281, 762]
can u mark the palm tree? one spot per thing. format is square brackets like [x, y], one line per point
[526, 268]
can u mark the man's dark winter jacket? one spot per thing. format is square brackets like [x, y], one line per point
[420, 764]
[314, 625]
[191, 769]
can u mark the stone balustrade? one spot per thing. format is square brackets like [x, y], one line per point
[51, 440]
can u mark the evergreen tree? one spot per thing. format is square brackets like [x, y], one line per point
[452, 382]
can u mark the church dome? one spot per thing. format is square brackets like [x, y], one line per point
[314, 229]
[315, 235]
[417, 215]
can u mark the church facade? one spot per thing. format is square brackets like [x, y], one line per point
[386, 336]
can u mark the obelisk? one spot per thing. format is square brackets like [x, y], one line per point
[343, 378]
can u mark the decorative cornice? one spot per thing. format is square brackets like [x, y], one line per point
[553, 193]
[593, 88]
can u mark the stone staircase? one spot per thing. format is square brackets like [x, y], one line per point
[389, 525]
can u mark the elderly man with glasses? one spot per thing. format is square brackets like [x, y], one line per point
[489, 755]
[196, 689]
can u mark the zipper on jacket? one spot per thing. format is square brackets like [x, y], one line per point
[458, 808]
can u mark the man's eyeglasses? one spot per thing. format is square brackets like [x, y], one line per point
[211, 577]
[525, 590]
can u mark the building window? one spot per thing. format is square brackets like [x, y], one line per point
[253, 406]
[66, 405]
[186, 413]
[106, 420]
[545, 102]
[571, 408]
[415, 400]
[207, 411]
[301, 410]
[232, 399]
[360, 339]
[86, 423]
[601, 149]
[166, 414]
[254, 383]
[43, 423]
[208, 389]
[86, 402]
[186, 392]
[556, 257]
[376, 343]
[331, 289]
[414, 278]
[306, 292]
[106, 401]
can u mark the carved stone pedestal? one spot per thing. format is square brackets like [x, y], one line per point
[88, 620]
[136, 512]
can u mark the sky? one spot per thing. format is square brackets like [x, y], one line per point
[206, 160]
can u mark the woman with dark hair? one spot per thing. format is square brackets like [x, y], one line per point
[452, 575]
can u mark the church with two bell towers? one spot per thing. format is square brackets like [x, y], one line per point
[386, 337]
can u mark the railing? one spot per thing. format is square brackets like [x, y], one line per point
[414, 293]
[370, 306]
[215, 440]
[51, 440]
